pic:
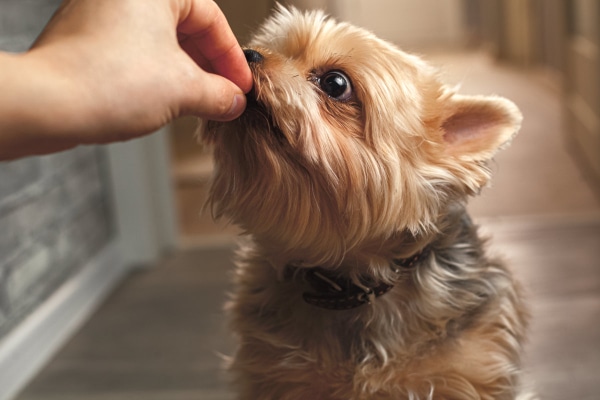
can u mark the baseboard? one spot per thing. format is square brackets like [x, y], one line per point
[28, 347]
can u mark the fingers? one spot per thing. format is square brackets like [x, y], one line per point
[209, 40]
[213, 97]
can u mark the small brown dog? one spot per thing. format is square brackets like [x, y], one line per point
[364, 277]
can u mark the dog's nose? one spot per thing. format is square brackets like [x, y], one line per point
[253, 56]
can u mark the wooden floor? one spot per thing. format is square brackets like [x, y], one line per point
[160, 335]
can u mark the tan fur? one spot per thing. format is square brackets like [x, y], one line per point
[349, 186]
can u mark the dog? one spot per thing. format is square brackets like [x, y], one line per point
[363, 276]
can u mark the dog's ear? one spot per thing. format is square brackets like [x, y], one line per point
[476, 127]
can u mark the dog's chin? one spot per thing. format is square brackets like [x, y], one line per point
[252, 104]
[255, 111]
[258, 117]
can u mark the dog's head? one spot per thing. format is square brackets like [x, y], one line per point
[347, 139]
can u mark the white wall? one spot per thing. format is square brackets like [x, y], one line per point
[309, 4]
[412, 24]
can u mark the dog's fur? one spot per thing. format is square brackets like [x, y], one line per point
[348, 185]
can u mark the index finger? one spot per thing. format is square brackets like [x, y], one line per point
[206, 28]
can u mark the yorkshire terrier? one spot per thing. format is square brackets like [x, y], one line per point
[363, 276]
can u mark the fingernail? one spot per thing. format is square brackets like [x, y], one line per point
[237, 107]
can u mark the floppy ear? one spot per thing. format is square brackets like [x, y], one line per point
[478, 126]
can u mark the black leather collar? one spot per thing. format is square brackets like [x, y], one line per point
[334, 292]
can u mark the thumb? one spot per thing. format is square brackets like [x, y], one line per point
[213, 97]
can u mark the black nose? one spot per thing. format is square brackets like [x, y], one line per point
[253, 56]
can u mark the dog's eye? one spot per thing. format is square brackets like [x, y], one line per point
[336, 85]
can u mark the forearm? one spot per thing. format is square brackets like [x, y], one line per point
[37, 107]
[113, 70]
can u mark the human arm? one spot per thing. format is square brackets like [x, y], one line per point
[111, 70]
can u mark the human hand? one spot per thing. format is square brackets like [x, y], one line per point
[110, 70]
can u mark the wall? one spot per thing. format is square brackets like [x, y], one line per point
[54, 210]
[411, 24]
[582, 85]
[245, 16]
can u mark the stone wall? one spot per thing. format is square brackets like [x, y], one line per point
[54, 210]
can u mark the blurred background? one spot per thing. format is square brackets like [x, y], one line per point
[112, 279]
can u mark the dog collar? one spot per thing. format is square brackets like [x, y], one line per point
[334, 292]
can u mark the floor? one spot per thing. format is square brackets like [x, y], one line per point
[161, 335]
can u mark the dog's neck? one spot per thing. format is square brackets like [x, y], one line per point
[355, 283]
[333, 291]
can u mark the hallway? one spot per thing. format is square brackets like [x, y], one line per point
[160, 334]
